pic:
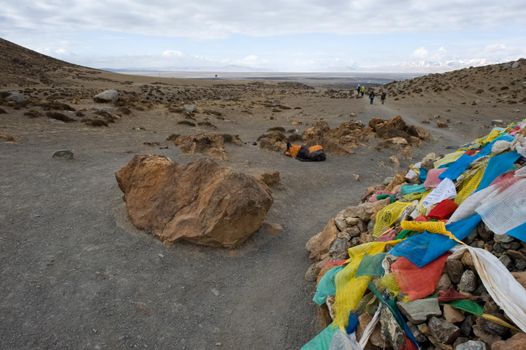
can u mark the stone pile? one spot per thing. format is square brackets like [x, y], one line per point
[433, 319]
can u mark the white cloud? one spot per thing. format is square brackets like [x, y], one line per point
[421, 53]
[220, 18]
[172, 53]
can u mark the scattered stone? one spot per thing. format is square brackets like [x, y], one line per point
[486, 337]
[33, 113]
[419, 311]
[444, 331]
[517, 342]
[319, 245]
[505, 260]
[441, 124]
[271, 229]
[16, 97]
[454, 269]
[107, 96]
[468, 282]
[273, 141]
[3, 111]
[453, 315]
[466, 259]
[64, 154]
[312, 272]
[503, 238]
[471, 345]
[271, 178]
[7, 138]
[201, 202]
[391, 331]
[208, 143]
[59, 116]
[444, 283]
[189, 109]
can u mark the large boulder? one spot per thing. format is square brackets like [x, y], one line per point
[107, 96]
[201, 202]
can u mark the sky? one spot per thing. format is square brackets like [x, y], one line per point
[271, 35]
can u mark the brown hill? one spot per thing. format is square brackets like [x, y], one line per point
[499, 83]
[23, 67]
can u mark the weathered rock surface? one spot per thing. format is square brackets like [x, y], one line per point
[319, 245]
[200, 202]
[444, 331]
[64, 154]
[418, 311]
[211, 144]
[471, 345]
[517, 342]
[106, 96]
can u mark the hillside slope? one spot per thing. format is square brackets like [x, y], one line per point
[23, 67]
[499, 83]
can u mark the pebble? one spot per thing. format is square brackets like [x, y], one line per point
[471, 345]
[64, 154]
[468, 282]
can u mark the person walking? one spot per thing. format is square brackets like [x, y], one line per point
[371, 96]
[383, 96]
[358, 90]
[362, 90]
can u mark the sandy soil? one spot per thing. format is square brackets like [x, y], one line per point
[76, 274]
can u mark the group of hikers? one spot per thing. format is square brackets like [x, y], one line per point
[360, 92]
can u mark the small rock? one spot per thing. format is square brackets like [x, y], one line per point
[7, 138]
[467, 325]
[468, 282]
[471, 345]
[486, 337]
[505, 260]
[271, 179]
[515, 65]
[215, 292]
[106, 96]
[467, 260]
[312, 272]
[484, 232]
[271, 229]
[453, 315]
[339, 248]
[16, 96]
[497, 122]
[441, 124]
[189, 109]
[444, 283]
[520, 265]
[419, 310]
[356, 177]
[454, 270]
[445, 332]
[517, 342]
[64, 154]
[503, 238]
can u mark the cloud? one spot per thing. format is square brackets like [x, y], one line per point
[172, 53]
[221, 18]
[421, 53]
